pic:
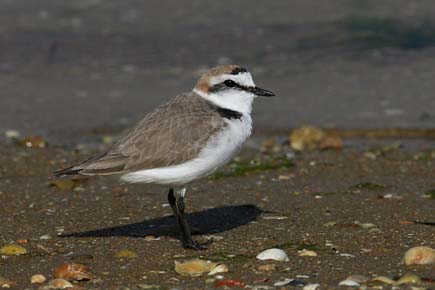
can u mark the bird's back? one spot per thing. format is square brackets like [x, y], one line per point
[172, 134]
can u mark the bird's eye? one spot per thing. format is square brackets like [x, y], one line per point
[229, 83]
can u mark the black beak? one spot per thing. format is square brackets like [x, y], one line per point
[261, 92]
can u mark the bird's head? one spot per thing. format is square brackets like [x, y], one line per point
[230, 87]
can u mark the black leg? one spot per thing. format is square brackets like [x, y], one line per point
[177, 205]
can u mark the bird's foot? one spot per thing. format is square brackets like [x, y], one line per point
[197, 246]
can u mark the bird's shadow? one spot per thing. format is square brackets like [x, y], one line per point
[210, 221]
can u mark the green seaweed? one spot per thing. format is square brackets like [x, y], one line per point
[430, 193]
[242, 168]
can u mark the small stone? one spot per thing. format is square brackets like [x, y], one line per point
[358, 278]
[274, 217]
[307, 253]
[126, 254]
[267, 268]
[12, 134]
[409, 279]
[151, 238]
[306, 137]
[311, 287]
[367, 225]
[45, 237]
[420, 256]
[13, 250]
[349, 283]
[221, 268]
[331, 142]
[33, 142]
[385, 280]
[37, 279]
[59, 284]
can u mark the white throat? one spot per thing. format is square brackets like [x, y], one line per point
[239, 101]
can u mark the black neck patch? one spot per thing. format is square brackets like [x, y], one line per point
[229, 114]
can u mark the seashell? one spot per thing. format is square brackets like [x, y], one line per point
[195, 267]
[13, 249]
[59, 284]
[349, 283]
[409, 279]
[419, 256]
[311, 287]
[37, 279]
[5, 283]
[283, 282]
[74, 272]
[307, 253]
[273, 254]
[385, 280]
[358, 278]
[221, 268]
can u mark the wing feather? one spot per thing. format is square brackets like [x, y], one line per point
[173, 134]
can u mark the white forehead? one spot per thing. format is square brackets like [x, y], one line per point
[244, 79]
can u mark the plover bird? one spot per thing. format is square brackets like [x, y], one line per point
[189, 137]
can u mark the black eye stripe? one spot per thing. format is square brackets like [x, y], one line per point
[223, 86]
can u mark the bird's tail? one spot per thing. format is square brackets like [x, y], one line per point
[67, 171]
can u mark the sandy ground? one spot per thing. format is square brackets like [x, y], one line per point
[320, 203]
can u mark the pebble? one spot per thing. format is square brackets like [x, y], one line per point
[346, 255]
[126, 253]
[273, 254]
[385, 280]
[409, 279]
[311, 287]
[275, 217]
[419, 256]
[307, 253]
[349, 283]
[221, 268]
[358, 278]
[267, 268]
[45, 237]
[37, 279]
[12, 134]
[59, 284]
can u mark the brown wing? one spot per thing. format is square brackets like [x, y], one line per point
[171, 135]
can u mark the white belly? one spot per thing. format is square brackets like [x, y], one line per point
[219, 151]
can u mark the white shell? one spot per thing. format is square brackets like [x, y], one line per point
[37, 279]
[349, 283]
[283, 282]
[420, 256]
[273, 254]
[311, 287]
[221, 268]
